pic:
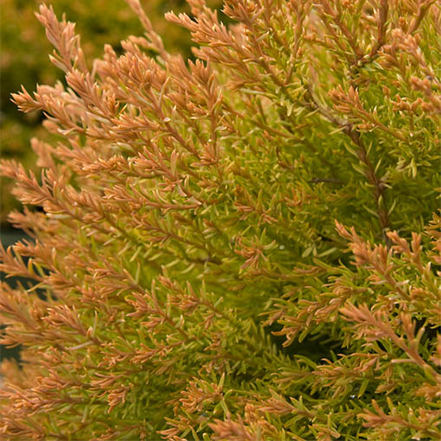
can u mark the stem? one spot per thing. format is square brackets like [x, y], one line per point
[379, 187]
[377, 183]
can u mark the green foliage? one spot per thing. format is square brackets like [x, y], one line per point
[241, 247]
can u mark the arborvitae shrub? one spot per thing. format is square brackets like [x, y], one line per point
[24, 59]
[244, 247]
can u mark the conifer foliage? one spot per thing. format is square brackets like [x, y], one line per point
[241, 247]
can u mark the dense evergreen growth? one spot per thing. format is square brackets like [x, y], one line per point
[243, 247]
[24, 60]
